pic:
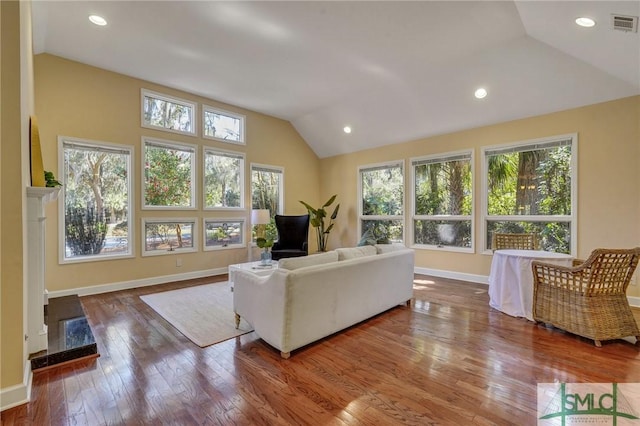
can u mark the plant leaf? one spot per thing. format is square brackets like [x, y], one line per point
[335, 212]
[309, 208]
[331, 200]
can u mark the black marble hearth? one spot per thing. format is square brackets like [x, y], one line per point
[69, 334]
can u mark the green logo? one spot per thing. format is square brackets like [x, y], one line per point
[609, 403]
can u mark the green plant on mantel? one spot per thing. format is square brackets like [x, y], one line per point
[50, 180]
[317, 219]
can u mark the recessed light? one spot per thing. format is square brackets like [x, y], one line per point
[480, 93]
[583, 21]
[347, 129]
[98, 20]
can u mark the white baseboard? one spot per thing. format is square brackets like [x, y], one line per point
[480, 279]
[634, 301]
[18, 394]
[125, 285]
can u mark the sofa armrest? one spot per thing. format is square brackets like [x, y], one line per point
[260, 300]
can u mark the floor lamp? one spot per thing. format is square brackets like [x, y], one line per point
[260, 218]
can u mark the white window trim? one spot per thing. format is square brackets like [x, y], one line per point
[401, 217]
[194, 162]
[61, 203]
[533, 218]
[444, 157]
[223, 152]
[194, 106]
[194, 235]
[242, 222]
[242, 118]
[275, 169]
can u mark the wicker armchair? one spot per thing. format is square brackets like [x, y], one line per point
[515, 241]
[588, 299]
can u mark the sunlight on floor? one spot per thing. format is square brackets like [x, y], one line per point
[422, 284]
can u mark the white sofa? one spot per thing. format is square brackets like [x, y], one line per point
[308, 298]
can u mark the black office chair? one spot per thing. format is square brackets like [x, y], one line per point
[293, 237]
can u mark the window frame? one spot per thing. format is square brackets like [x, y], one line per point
[171, 145]
[172, 99]
[130, 253]
[572, 219]
[443, 157]
[194, 235]
[242, 118]
[240, 220]
[224, 153]
[401, 218]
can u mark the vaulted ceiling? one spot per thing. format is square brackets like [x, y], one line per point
[393, 71]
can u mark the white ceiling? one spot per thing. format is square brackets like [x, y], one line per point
[393, 71]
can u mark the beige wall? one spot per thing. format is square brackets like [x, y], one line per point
[81, 101]
[12, 190]
[608, 174]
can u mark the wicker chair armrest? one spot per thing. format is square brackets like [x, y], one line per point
[566, 277]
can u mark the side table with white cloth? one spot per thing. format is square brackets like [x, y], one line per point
[511, 279]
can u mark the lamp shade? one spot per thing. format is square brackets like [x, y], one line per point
[260, 217]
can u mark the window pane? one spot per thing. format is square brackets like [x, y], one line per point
[443, 188]
[554, 236]
[443, 233]
[266, 193]
[384, 229]
[168, 176]
[170, 114]
[382, 191]
[530, 182]
[222, 126]
[223, 233]
[266, 188]
[168, 236]
[223, 180]
[96, 201]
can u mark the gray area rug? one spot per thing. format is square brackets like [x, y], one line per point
[202, 313]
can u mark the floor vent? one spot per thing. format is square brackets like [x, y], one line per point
[624, 23]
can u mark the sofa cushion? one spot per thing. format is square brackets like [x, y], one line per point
[291, 263]
[387, 248]
[355, 252]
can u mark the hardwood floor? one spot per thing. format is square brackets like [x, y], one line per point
[447, 359]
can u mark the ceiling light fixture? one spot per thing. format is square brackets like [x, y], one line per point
[480, 93]
[583, 21]
[98, 20]
[347, 129]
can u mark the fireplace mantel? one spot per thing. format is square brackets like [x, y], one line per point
[37, 198]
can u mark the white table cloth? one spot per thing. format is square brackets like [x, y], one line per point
[511, 279]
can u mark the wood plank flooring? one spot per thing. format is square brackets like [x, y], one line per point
[447, 359]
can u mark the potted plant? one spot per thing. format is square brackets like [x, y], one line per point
[266, 244]
[317, 219]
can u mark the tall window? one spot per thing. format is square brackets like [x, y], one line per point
[223, 179]
[169, 174]
[168, 113]
[382, 201]
[95, 200]
[223, 125]
[267, 192]
[443, 200]
[530, 187]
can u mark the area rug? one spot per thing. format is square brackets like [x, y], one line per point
[202, 313]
